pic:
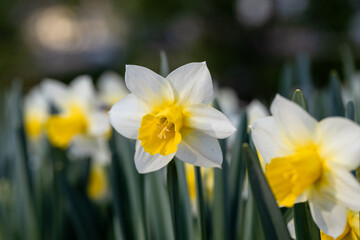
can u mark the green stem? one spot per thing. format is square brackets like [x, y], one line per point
[200, 202]
[172, 184]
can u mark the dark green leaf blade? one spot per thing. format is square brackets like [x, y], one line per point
[271, 218]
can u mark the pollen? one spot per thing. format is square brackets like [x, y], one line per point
[290, 176]
[160, 131]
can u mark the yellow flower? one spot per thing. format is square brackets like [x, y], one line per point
[98, 182]
[35, 114]
[80, 124]
[170, 116]
[310, 161]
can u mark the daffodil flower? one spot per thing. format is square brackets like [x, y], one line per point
[80, 122]
[310, 161]
[97, 187]
[111, 88]
[35, 114]
[171, 116]
[352, 229]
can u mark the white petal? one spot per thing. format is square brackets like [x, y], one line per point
[146, 162]
[291, 228]
[328, 216]
[126, 115]
[147, 85]
[208, 120]
[98, 124]
[111, 88]
[268, 139]
[199, 149]
[82, 91]
[340, 141]
[192, 83]
[95, 148]
[340, 186]
[55, 92]
[295, 123]
[256, 110]
[35, 104]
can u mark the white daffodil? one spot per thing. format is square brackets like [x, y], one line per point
[35, 114]
[256, 110]
[171, 116]
[310, 160]
[111, 88]
[80, 122]
[229, 104]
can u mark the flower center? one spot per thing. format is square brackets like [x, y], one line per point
[33, 126]
[63, 127]
[289, 176]
[160, 131]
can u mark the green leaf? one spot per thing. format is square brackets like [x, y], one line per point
[348, 63]
[304, 74]
[157, 206]
[179, 200]
[81, 212]
[305, 227]
[221, 210]
[250, 226]
[237, 173]
[201, 202]
[164, 64]
[298, 97]
[270, 215]
[286, 80]
[126, 187]
[350, 111]
[337, 103]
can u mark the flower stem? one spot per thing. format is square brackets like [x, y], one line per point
[200, 202]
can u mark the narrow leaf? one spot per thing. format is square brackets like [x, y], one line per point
[337, 103]
[270, 215]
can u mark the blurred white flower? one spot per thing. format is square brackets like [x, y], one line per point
[35, 114]
[256, 110]
[310, 161]
[111, 88]
[170, 116]
[79, 123]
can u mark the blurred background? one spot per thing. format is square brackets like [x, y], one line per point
[244, 42]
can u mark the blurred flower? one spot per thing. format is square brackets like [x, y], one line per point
[208, 180]
[97, 187]
[79, 123]
[229, 104]
[170, 116]
[254, 13]
[291, 8]
[310, 160]
[256, 110]
[111, 88]
[35, 114]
